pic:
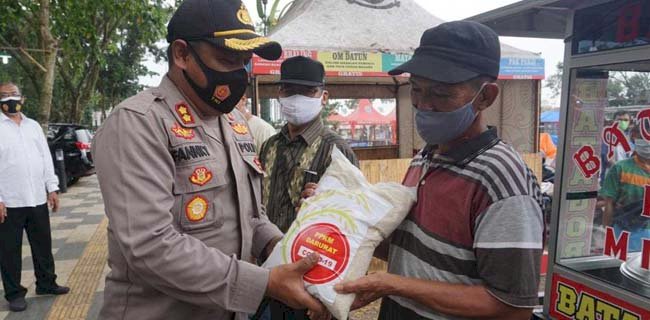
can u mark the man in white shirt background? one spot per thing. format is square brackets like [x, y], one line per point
[260, 129]
[27, 186]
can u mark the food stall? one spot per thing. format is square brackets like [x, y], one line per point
[599, 255]
[358, 41]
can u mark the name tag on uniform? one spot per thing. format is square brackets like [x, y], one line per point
[190, 152]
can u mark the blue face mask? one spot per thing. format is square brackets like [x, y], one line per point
[443, 127]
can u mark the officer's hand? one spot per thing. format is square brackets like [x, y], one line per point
[286, 285]
[53, 201]
[3, 212]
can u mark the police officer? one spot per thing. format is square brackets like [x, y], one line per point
[181, 183]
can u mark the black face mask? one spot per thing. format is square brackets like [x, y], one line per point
[224, 89]
[11, 104]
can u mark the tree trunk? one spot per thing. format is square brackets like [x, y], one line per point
[86, 93]
[49, 62]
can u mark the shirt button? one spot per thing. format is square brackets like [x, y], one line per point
[422, 183]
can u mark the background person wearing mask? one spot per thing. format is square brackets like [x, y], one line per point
[471, 246]
[260, 129]
[301, 152]
[624, 123]
[181, 183]
[27, 186]
[623, 192]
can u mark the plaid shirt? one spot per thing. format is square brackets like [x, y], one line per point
[280, 208]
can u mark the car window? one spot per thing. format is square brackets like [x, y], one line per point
[52, 131]
[84, 135]
[69, 135]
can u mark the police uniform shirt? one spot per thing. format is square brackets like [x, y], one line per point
[183, 200]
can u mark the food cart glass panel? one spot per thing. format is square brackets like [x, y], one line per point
[604, 220]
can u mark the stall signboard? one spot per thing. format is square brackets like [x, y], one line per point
[336, 63]
[572, 300]
[522, 68]
[588, 102]
[376, 64]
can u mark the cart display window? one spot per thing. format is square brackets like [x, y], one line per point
[612, 25]
[604, 221]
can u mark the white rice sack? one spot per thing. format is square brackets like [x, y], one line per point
[344, 222]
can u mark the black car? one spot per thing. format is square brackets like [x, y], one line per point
[74, 142]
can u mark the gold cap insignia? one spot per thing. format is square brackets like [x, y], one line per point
[243, 16]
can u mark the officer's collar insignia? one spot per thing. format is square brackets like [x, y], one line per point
[258, 163]
[243, 16]
[201, 176]
[183, 111]
[231, 117]
[221, 93]
[196, 209]
[184, 133]
[239, 128]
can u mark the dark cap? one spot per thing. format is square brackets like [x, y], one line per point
[303, 71]
[455, 52]
[224, 23]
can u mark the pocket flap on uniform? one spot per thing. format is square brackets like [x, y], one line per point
[198, 177]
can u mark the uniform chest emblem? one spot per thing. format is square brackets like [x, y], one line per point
[201, 176]
[196, 209]
[222, 93]
[185, 133]
[184, 113]
[239, 128]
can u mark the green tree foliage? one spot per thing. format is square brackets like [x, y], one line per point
[624, 88]
[554, 82]
[628, 88]
[270, 16]
[101, 47]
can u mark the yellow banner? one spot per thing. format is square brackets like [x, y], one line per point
[351, 61]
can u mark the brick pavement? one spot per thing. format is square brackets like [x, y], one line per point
[79, 249]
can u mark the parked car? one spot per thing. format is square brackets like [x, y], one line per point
[74, 140]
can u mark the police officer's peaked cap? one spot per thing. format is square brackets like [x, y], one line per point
[224, 23]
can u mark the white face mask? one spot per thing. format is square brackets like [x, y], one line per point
[299, 109]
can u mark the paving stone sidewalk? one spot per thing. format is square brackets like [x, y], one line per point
[79, 248]
[73, 227]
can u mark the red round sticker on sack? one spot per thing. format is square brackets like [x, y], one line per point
[333, 247]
